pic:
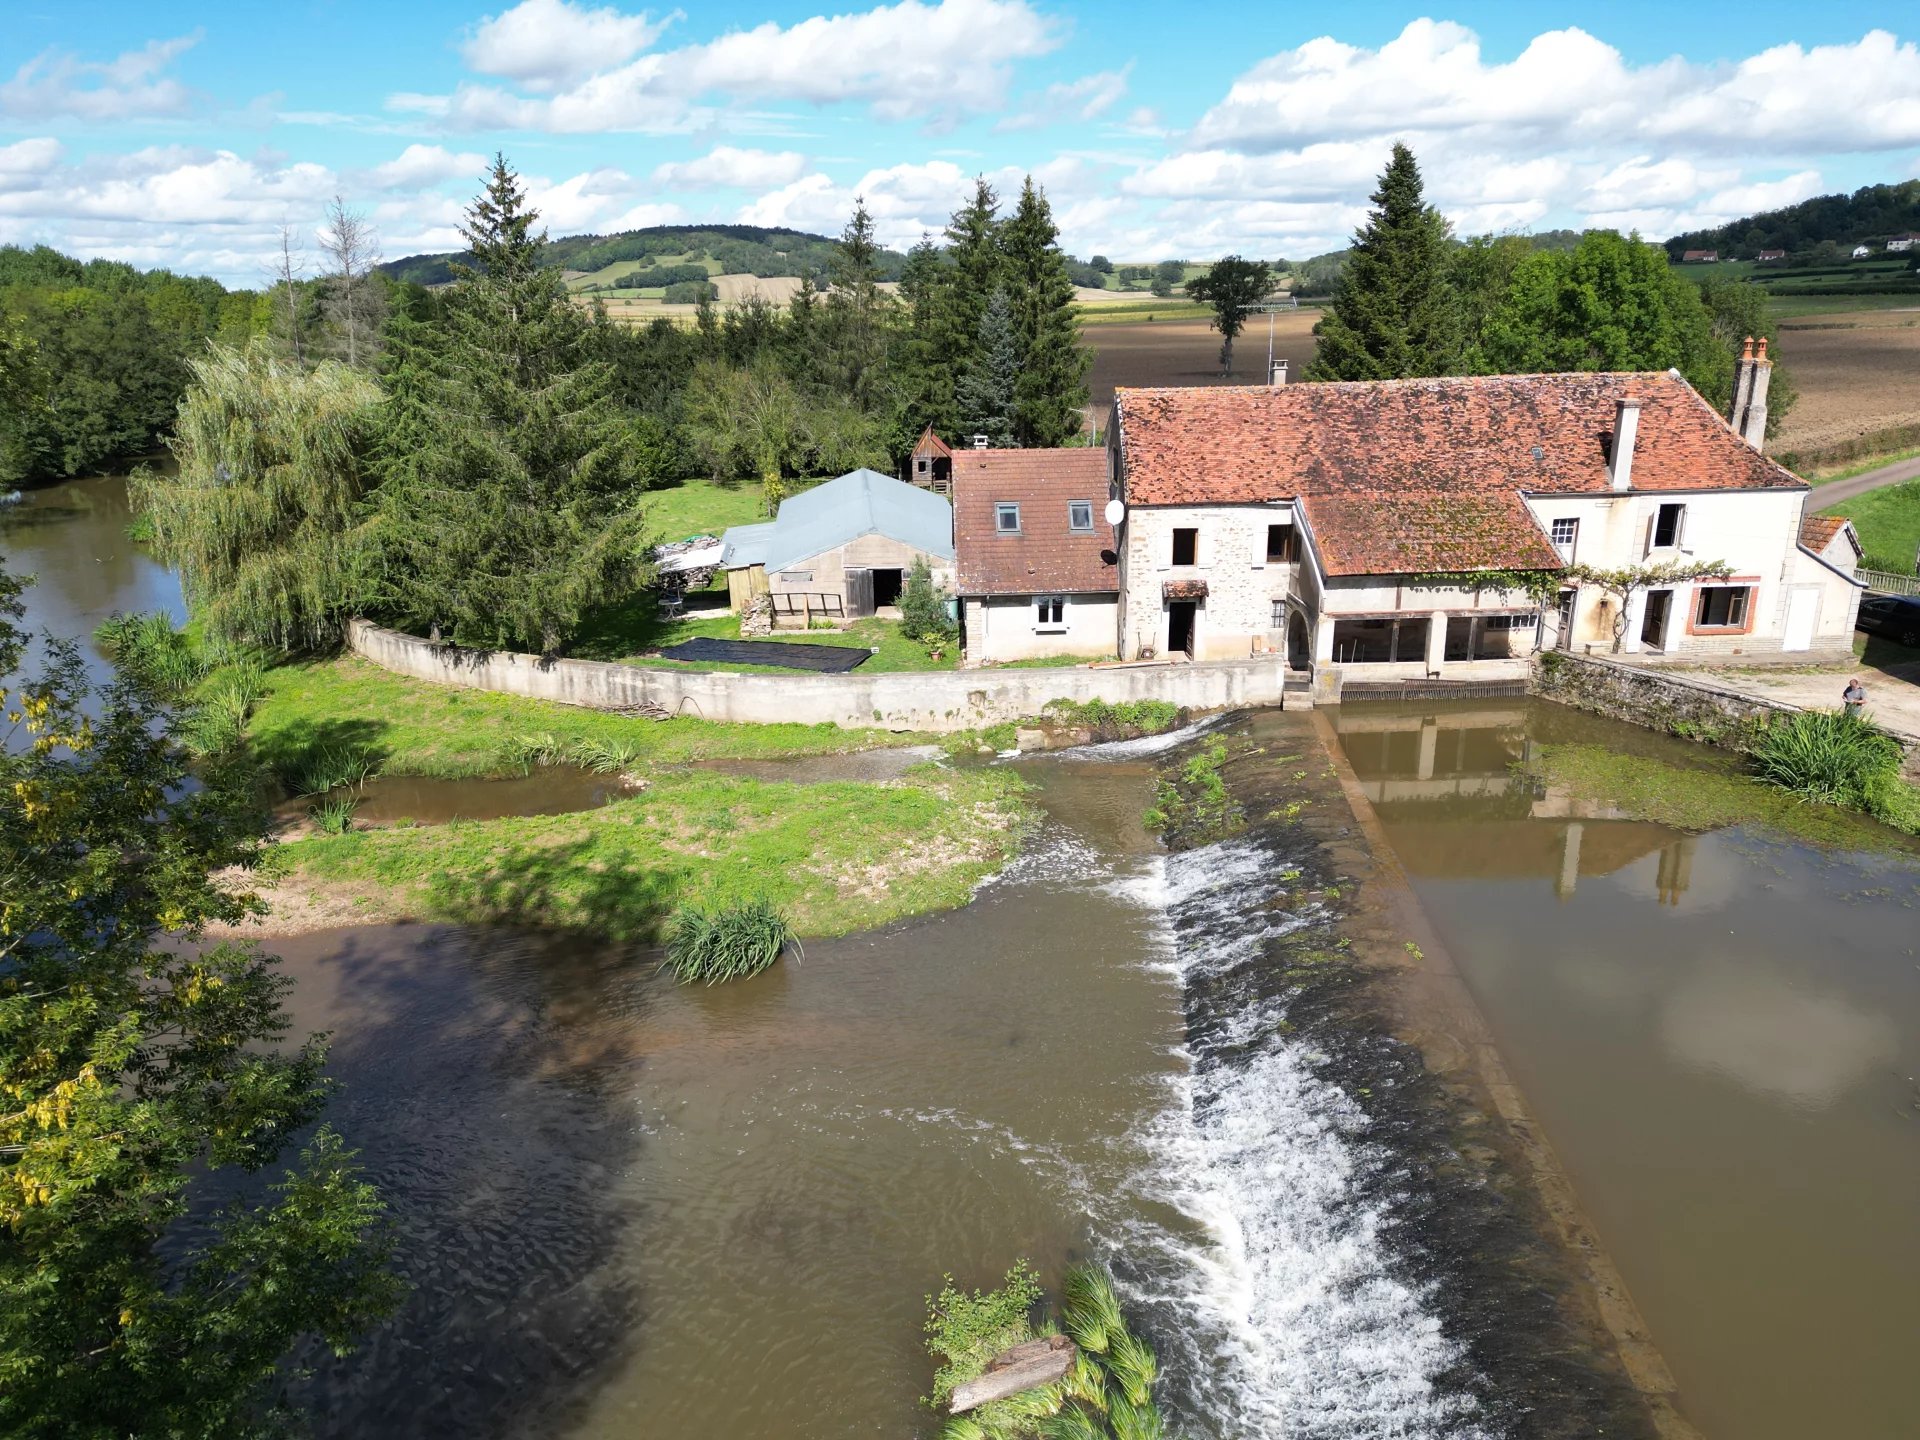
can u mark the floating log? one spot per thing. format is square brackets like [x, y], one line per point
[1026, 1366]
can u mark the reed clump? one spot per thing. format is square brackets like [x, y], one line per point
[1832, 758]
[730, 942]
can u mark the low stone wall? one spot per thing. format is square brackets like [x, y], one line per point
[1680, 705]
[939, 700]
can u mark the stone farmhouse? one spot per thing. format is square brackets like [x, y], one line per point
[1449, 529]
[1037, 573]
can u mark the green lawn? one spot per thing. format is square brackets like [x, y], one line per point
[1889, 524]
[1850, 468]
[700, 507]
[836, 857]
[415, 728]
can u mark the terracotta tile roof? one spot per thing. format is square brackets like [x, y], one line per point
[1398, 471]
[1426, 532]
[1045, 557]
[1817, 531]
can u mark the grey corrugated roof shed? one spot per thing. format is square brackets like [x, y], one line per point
[862, 503]
[746, 545]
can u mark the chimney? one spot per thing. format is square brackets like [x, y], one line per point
[1742, 384]
[1626, 424]
[979, 442]
[1754, 374]
[1278, 376]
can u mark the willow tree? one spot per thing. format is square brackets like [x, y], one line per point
[263, 520]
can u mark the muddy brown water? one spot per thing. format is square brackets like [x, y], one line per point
[630, 1208]
[1721, 1037]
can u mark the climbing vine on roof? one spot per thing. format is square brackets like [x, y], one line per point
[1538, 585]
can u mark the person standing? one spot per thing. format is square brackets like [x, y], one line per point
[1854, 697]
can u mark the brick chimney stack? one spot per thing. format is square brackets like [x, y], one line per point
[1752, 374]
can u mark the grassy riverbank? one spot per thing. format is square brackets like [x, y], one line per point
[835, 857]
[410, 727]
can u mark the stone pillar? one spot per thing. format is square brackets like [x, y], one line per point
[1323, 640]
[1636, 613]
[1436, 641]
[1429, 747]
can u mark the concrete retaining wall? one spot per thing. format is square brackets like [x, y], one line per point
[940, 700]
[1658, 700]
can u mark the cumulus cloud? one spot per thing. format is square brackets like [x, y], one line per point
[545, 44]
[419, 166]
[29, 157]
[911, 60]
[56, 84]
[726, 167]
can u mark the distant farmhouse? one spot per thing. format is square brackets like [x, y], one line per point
[1768, 257]
[1862, 252]
[1699, 257]
[1900, 244]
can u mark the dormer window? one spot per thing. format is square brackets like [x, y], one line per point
[1080, 516]
[1006, 517]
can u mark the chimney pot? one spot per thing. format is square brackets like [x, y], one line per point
[1278, 376]
[1763, 349]
[1747, 352]
[1626, 426]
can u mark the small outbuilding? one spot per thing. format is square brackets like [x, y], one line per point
[1038, 573]
[931, 464]
[841, 550]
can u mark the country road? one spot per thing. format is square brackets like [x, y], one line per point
[1841, 491]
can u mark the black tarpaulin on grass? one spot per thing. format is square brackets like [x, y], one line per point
[828, 659]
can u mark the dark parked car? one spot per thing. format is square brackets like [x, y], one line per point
[1895, 616]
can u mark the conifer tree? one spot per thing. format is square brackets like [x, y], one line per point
[961, 285]
[987, 395]
[1051, 390]
[1394, 312]
[926, 375]
[858, 310]
[508, 505]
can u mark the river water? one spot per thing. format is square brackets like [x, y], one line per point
[631, 1208]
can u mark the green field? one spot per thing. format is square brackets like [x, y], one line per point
[606, 275]
[700, 507]
[1889, 525]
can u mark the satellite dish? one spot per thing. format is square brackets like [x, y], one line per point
[1116, 512]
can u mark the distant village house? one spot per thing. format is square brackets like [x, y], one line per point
[1699, 257]
[1900, 244]
[1769, 257]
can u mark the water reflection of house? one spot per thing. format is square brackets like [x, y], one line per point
[1459, 805]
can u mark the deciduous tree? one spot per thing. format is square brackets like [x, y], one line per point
[352, 303]
[143, 1074]
[1233, 287]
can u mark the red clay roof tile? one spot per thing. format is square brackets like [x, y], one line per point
[1817, 531]
[1402, 476]
[1046, 557]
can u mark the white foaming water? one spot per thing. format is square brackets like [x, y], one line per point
[1281, 1303]
[1137, 749]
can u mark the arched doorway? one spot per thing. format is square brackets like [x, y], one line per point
[1299, 647]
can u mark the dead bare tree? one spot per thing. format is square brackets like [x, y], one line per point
[287, 273]
[350, 299]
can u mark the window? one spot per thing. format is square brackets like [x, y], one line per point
[1006, 518]
[1280, 545]
[1278, 620]
[1564, 534]
[1050, 612]
[1080, 516]
[1722, 607]
[921, 464]
[1510, 622]
[1669, 526]
[1185, 544]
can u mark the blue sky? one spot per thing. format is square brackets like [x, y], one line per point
[187, 135]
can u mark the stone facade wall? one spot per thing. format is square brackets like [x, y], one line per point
[826, 573]
[1236, 619]
[936, 701]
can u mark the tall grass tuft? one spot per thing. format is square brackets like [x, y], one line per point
[606, 757]
[1131, 1365]
[1828, 756]
[334, 816]
[730, 943]
[1073, 1423]
[147, 648]
[326, 767]
[523, 752]
[1090, 1309]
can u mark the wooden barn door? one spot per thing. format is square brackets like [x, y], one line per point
[859, 593]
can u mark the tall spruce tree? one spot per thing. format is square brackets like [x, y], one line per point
[926, 379]
[988, 394]
[960, 284]
[859, 312]
[1051, 389]
[508, 505]
[1394, 312]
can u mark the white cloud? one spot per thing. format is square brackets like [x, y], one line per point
[1765, 195]
[130, 86]
[728, 168]
[1073, 100]
[29, 157]
[545, 44]
[911, 60]
[419, 166]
